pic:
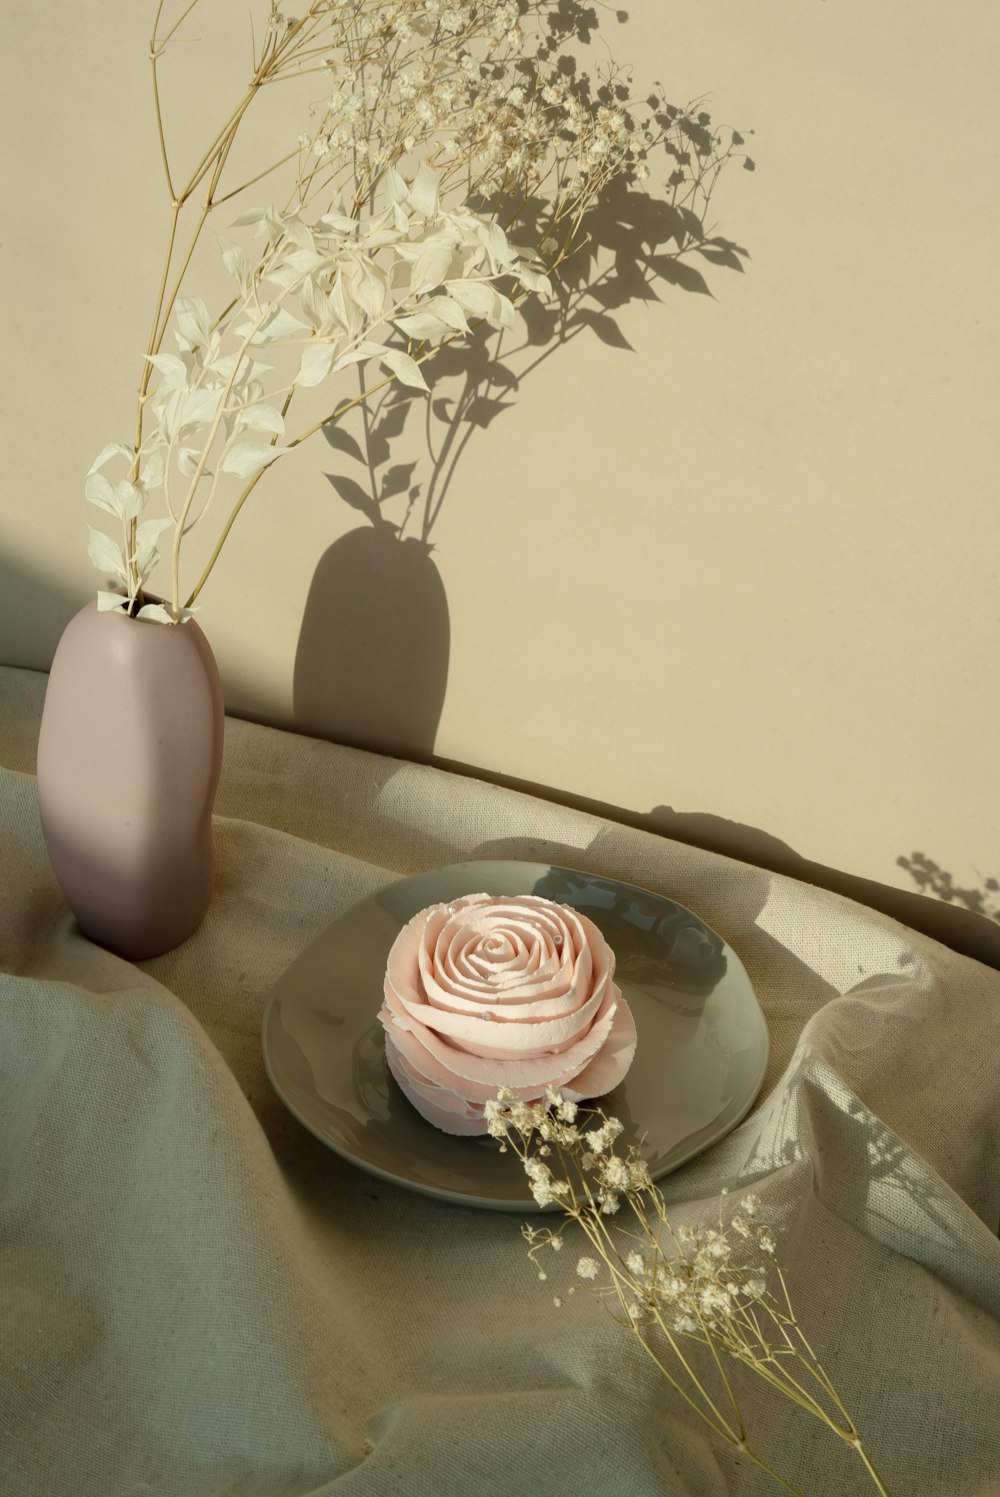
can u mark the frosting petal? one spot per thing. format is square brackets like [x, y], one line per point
[490, 992]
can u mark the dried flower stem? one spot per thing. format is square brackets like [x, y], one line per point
[405, 258]
[673, 1286]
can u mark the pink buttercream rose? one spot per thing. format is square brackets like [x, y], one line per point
[489, 992]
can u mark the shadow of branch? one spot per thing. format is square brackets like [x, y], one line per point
[930, 878]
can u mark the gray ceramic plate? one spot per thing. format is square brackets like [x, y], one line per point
[700, 1059]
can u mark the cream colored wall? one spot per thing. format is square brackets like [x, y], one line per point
[738, 580]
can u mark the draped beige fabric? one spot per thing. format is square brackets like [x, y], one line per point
[197, 1298]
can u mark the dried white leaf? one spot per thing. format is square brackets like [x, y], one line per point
[344, 307]
[198, 408]
[129, 499]
[280, 324]
[313, 303]
[113, 449]
[193, 324]
[154, 467]
[423, 192]
[396, 190]
[499, 250]
[422, 325]
[247, 459]
[298, 232]
[106, 601]
[448, 310]
[105, 554]
[431, 267]
[369, 289]
[261, 418]
[534, 280]
[172, 368]
[155, 613]
[317, 361]
[237, 262]
[149, 531]
[99, 491]
[245, 219]
[337, 223]
[404, 368]
[358, 355]
[477, 298]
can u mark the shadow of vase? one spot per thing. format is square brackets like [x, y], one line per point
[371, 668]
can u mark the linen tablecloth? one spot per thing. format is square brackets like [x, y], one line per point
[198, 1298]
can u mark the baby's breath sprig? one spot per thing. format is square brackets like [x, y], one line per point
[443, 172]
[718, 1288]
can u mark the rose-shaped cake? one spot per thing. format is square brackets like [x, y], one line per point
[489, 992]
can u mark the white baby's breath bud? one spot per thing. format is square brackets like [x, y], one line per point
[614, 1173]
[635, 1263]
[587, 1268]
[639, 1177]
[714, 1298]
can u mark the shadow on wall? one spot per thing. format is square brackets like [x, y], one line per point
[372, 661]
[962, 929]
[371, 667]
[930, 878]
[34, 611]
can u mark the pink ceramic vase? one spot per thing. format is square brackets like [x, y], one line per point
[129, 755]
